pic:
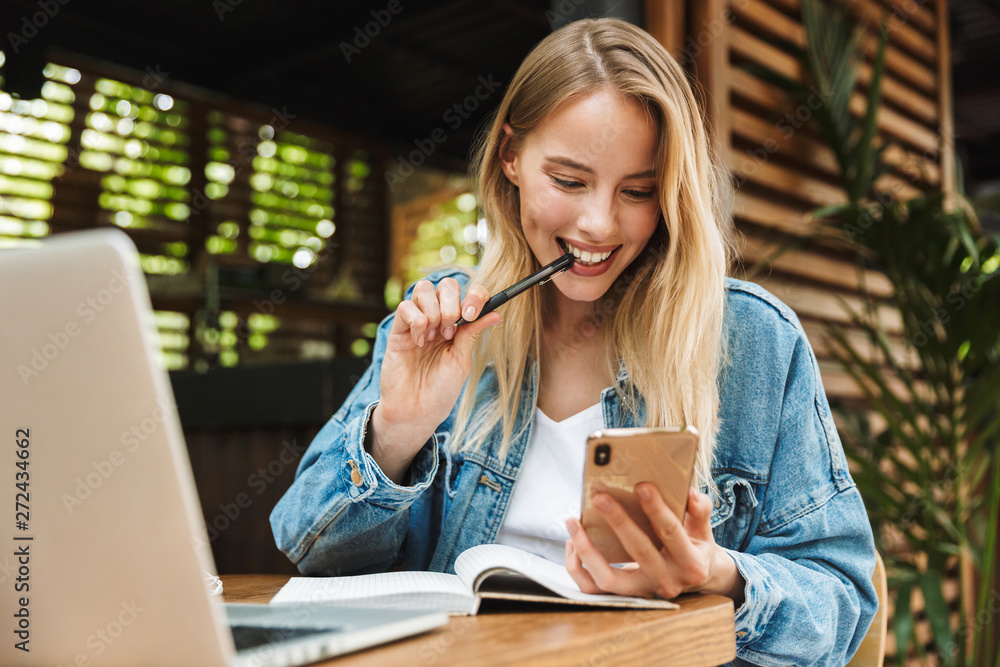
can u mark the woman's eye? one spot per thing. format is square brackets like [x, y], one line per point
[640, 194]
[567, 184]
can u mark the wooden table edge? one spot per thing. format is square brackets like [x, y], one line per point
[705, 636]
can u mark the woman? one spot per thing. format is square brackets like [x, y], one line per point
[598, 149]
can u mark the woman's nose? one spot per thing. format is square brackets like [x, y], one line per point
[598, 220]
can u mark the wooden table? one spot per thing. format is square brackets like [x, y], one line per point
[701, 632]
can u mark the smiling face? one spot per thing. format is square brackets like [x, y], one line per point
[587, 186]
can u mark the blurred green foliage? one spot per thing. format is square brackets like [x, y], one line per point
[450, 235]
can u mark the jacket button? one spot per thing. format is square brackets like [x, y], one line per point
[741, 633]
[356, 477]
[490, 483]
[718, 503]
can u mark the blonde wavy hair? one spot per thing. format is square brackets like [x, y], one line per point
[663, 317]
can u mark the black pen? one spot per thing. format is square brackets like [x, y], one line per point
[539, 277]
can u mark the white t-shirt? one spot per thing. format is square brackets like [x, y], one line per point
[550, 484]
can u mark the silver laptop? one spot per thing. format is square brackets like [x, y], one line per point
[103, 551]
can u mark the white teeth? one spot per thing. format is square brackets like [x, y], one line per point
[586, 257]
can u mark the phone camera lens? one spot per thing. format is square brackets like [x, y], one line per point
[602, 454]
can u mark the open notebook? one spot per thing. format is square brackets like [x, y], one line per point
[484, 571]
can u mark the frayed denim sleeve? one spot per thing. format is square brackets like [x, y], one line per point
[807, 603]
[809, 598]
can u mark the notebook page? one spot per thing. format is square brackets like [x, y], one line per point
[474, 562]
[400, 590]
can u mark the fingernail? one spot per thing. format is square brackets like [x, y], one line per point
[420, 342]
[643, 493]
[431, 334]
[572, 526]
[470, 312]
[601, 502]
[448, 333]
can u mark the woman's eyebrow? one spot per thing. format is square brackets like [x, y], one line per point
[573, 164]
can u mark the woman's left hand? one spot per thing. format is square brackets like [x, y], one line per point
[690, 560]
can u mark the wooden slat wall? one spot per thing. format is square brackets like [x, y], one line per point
[780, 163]
[782, 166]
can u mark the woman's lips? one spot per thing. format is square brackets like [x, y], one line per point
[586, 271]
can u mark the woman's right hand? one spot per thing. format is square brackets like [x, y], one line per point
[427, 361]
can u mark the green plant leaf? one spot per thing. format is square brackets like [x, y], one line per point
[987, 436]
[831, 211]
[865, 374]
[831, 68]
[865, 154]
[937, 614]
[984, 397]
[902, 617]
[881, 166]
[988, 576]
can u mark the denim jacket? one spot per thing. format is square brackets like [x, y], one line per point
[786, 510]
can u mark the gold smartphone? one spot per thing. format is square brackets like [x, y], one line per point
[617, 460]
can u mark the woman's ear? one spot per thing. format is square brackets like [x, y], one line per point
[508, 155]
